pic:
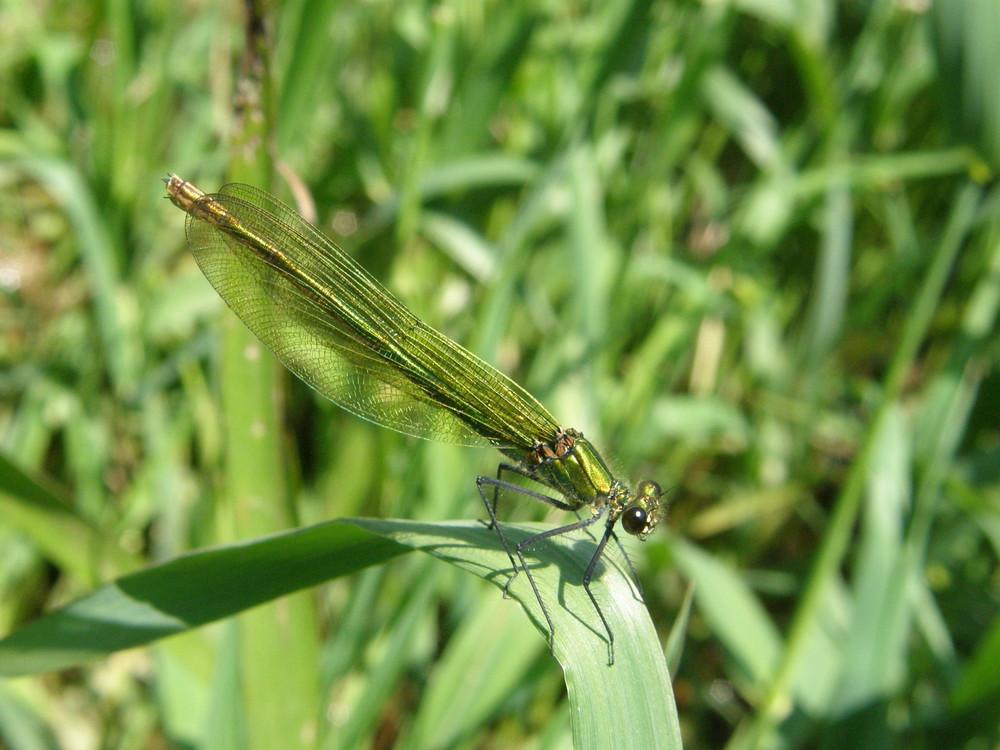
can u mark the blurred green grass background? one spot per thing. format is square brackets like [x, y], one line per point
[750, 248]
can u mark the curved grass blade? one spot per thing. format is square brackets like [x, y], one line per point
[629, 704]
[188, 592]
[199, 588]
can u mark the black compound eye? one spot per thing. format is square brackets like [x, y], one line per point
[634, 520]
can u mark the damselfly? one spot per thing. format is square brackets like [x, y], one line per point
[332, 324]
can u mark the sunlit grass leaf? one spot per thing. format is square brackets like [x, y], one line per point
[637, 687]
[46, 517]
[735, 614]
[205, 586]
[188, 592]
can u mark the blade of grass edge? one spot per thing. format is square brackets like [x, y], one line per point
[627, 705]
[188, 592]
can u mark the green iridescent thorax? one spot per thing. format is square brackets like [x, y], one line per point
[572, 466]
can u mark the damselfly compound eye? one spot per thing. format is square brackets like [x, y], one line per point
[634, 520]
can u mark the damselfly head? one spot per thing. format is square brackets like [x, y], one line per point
[645, 510]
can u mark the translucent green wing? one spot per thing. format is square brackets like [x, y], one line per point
[332, 324]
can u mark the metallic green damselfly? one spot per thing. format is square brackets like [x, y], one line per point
[332, 324]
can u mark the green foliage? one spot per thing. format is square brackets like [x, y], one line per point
[206, 586]
[751, 249]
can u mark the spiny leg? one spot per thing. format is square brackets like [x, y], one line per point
[494, 524]
[609, 532]
[525, 543]
[628, 561]
[625, 556]
[497, 485]
[527, 474]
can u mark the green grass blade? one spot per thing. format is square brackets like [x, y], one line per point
[470, 682]
[115, 322]
[736, 616]
[21, 725]
[637, 686]
[839, 532]
[965, 37]
[205, 586]
[188, 592]
[279, 686]
[39, 511]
